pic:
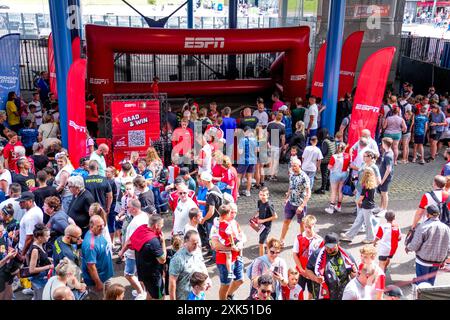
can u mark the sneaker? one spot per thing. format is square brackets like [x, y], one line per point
[247, 193]
[134, 293]
[345, 238]
[230, 297]
[28, 291]
[338, 209]
[329, 210]
[15, 284]
[381, 213]
[142, 296]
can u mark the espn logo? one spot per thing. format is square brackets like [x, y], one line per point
[197, 43]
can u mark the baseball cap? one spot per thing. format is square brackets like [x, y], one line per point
[178, 180]
[393, 291]
[331, 240]
[283, 108]
[25, 196]
[433, 210]
[206, 176]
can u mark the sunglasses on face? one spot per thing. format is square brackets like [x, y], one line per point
[274, 252]
[182, 193]
[266, 291]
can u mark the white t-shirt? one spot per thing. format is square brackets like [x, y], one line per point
[52, 284]
[6, 175]
[31, 218]
[181, 215]
[206, 156]
[372, 145]
[18, 211]
[262, 117]
[309, 158]
[137, 221]
[188, 227]
[313, 110]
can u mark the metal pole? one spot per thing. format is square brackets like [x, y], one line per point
[335, 35]
[63, 58]
[433, 10]
[232, 24]
[190, 14]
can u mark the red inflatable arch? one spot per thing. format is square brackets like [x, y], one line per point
[103, 42]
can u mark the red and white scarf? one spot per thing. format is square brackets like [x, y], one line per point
[319, 269]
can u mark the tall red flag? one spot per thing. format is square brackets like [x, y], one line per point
[349, 61]
[76, 115]
[369, 93]
[52, 66]
[319, 72]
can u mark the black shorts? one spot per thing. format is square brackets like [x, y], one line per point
[384, 258]
[263, 235]
[303, 282]
[154, 286]
[435, 136]
[385, 186]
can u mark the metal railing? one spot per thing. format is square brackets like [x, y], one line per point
[143, 67]
[428, 50]
[37, 26]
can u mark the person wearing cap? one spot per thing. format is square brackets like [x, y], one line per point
[190, 182]
[330, 268]
[214, 199]
[437, 126]
[32, 217]
[431, 243]
[173, 196]
[82, 170]
[392, 292]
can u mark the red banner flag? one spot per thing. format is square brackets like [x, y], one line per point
[76, 115]
[319, 72]
[369, 93]
[135, 124]
[52, 66]
[349, 61]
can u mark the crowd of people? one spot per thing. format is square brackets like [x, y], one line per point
[62, 223]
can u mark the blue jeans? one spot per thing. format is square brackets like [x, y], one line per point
[38, 283]
[423, 270]
[237, 268]
[311, 175]
[65, 201]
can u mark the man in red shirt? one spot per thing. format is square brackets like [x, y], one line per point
[429, 198]
[183, 141]
[8, 152]
[91, 116]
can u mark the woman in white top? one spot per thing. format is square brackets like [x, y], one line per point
[66, 272]
[49, 128]
[65, 168]
[96, 210]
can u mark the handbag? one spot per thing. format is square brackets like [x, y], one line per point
[348, 188]
[24, 272]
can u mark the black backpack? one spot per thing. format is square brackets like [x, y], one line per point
[444, 215]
